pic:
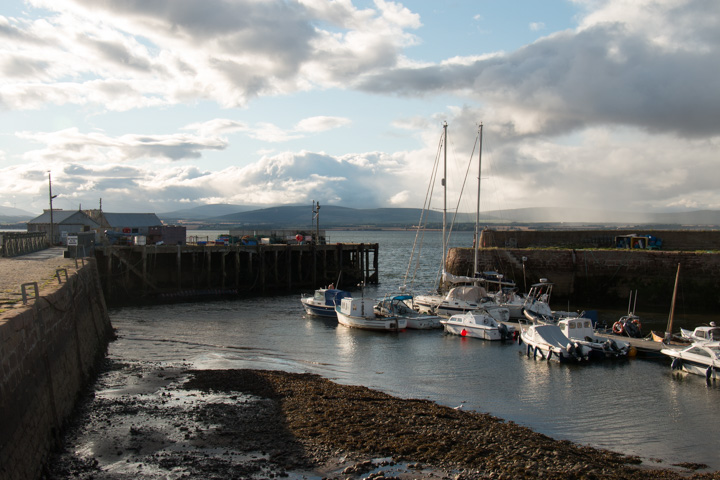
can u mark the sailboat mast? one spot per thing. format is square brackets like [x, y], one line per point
[444, 183]
[477, 213]
[668, 330]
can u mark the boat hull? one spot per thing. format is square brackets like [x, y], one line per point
[319, 310]
[378, 323]
[483, 333]
[423, 322]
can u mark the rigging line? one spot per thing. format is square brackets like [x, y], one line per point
[462, 188]
[423, 215]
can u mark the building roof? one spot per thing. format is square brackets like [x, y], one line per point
[116, 220]
[64, 217]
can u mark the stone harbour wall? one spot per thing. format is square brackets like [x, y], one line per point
[48, 351]
[597, 278]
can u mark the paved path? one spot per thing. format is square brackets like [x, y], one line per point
[34, 267]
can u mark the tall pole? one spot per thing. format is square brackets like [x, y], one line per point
[52, 223]
[477, 213]
[668, 330]
[444, 184]
[317, 223]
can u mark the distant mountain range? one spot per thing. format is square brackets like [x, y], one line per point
[292, 216]
[11, 215]
[301, 216]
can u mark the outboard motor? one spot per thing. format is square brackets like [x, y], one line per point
[503, 330]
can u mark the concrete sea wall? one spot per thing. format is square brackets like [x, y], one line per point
[47, 354]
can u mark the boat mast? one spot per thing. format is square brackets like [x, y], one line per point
[444, 184]
[668, 330]
[476, 240]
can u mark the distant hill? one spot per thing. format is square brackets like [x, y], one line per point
[203, 212]
[15, 215]
[331, 216]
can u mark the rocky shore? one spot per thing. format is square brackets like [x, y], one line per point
[144, 420]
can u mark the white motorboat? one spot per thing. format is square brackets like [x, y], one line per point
[323, 302]
[700, 358]
[536, 301]
[468, 298]
[580, 330]
[478, 324]
[703, 333]
[359, 313]
[549, 341]
[396, 306]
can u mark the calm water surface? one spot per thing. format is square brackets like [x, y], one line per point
[635, 406]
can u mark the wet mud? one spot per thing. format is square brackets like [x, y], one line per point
[151, 421]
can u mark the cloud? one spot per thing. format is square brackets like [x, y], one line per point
[71, 145]
[321, 124]
[169, 51]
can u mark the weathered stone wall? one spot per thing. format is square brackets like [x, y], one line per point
[604, 278]
[47, 353]
[686, 240]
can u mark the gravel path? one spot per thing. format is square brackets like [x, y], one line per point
[37, 267]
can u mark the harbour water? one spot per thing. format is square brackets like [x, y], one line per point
[636, 406]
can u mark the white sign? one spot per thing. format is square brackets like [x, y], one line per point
[72, 240]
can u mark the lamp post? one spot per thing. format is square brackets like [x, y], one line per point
[316, 218]
[52, 223]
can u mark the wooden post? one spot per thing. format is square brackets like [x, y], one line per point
[144, 269]
[314, 268]
[222, 269]
[288, 261]
[208, 256]
[179, 268]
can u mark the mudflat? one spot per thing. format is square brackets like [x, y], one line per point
[145, 420]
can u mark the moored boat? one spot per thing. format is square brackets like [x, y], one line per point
[467, 298]
[397, 306]
[628, 325]
[359, 313]
[549, 342]
[323, 302]
[478, 324]
[704, 333]
[700, 358]
[580, 330]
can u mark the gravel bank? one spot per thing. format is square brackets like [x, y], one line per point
[151, 421]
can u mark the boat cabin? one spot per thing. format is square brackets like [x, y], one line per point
[357, 307]
[711, 333]
[576, 327]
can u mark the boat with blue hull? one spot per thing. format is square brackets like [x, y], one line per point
[323, 302]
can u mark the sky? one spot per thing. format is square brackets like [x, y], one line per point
[155, 106]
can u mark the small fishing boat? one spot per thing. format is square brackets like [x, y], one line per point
[478, 324]
[323, 302]
[700, 358]
[396, 306]
[360, 313]
[580, 330]
[628, 325]
[549, 342]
